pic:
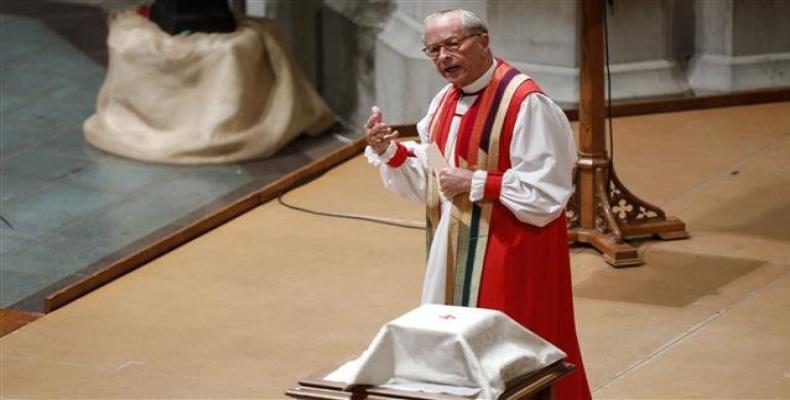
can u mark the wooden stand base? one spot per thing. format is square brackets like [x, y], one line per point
[601, 211]
[615, 214]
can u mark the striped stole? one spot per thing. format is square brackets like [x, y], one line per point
[477, 147]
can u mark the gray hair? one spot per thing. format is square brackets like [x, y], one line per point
[471, 23]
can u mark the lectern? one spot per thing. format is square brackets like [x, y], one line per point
[601, 211]
[537, 385]
[446, 352]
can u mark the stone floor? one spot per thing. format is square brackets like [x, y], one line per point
[67, 208]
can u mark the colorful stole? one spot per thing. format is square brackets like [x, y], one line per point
[490, 119]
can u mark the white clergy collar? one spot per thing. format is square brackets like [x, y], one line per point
[482, 81]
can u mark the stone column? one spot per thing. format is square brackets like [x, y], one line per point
[647, 55]
[541, 38]
[333, 42]
[299, 22]
[740, 45]
[365, 52]
[350, 34]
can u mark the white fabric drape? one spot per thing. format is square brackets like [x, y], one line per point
[201, 98]
[471, 352]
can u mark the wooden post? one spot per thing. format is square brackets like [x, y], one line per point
[601, 211]
[592, 143]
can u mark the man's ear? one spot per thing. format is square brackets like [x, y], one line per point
[484, 40]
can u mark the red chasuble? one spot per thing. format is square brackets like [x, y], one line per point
[494, 260]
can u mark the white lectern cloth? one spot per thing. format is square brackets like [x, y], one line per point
[462, 351]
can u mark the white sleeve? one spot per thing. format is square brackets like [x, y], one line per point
[542, 156]
[478, 185]
[409, 179]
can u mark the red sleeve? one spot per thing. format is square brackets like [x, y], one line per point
[400, 156]
[493, 185]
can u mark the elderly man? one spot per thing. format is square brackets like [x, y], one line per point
[497, 229]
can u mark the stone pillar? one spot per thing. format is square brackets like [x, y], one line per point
[333, 42]
[740, 45]
[299, 22]
[541, 38]
[647, 58]
[256, 8]
[365, 52]
[350, 33]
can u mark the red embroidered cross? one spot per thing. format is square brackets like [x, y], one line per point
[448, 316]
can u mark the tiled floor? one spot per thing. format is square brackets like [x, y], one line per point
[69, 209]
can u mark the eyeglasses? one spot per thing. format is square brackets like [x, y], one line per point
[451, 45]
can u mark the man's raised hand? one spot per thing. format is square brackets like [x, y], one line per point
[378, 133]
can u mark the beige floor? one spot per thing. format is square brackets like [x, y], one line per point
[276, 295]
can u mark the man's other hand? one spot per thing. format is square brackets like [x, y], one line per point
[454, 181]
[378, 133]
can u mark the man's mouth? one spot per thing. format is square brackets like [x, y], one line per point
[452, 69]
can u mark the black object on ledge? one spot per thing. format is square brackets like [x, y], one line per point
[177, 16]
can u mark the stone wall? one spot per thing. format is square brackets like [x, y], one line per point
[365, 52]
[740, 45]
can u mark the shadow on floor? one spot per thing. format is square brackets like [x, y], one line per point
[666, 279]
[762, 212]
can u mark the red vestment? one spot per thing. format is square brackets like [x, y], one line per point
[526, 274]
[526, 269]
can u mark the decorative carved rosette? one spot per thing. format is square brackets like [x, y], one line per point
[626, 207]
[615, 206]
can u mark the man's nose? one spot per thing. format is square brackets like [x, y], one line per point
[443, 53]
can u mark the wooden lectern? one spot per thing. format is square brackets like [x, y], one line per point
[601, 211]
[537, 385]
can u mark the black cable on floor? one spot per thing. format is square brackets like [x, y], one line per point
[378, 220]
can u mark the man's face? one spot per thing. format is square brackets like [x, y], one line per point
[466, 63]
